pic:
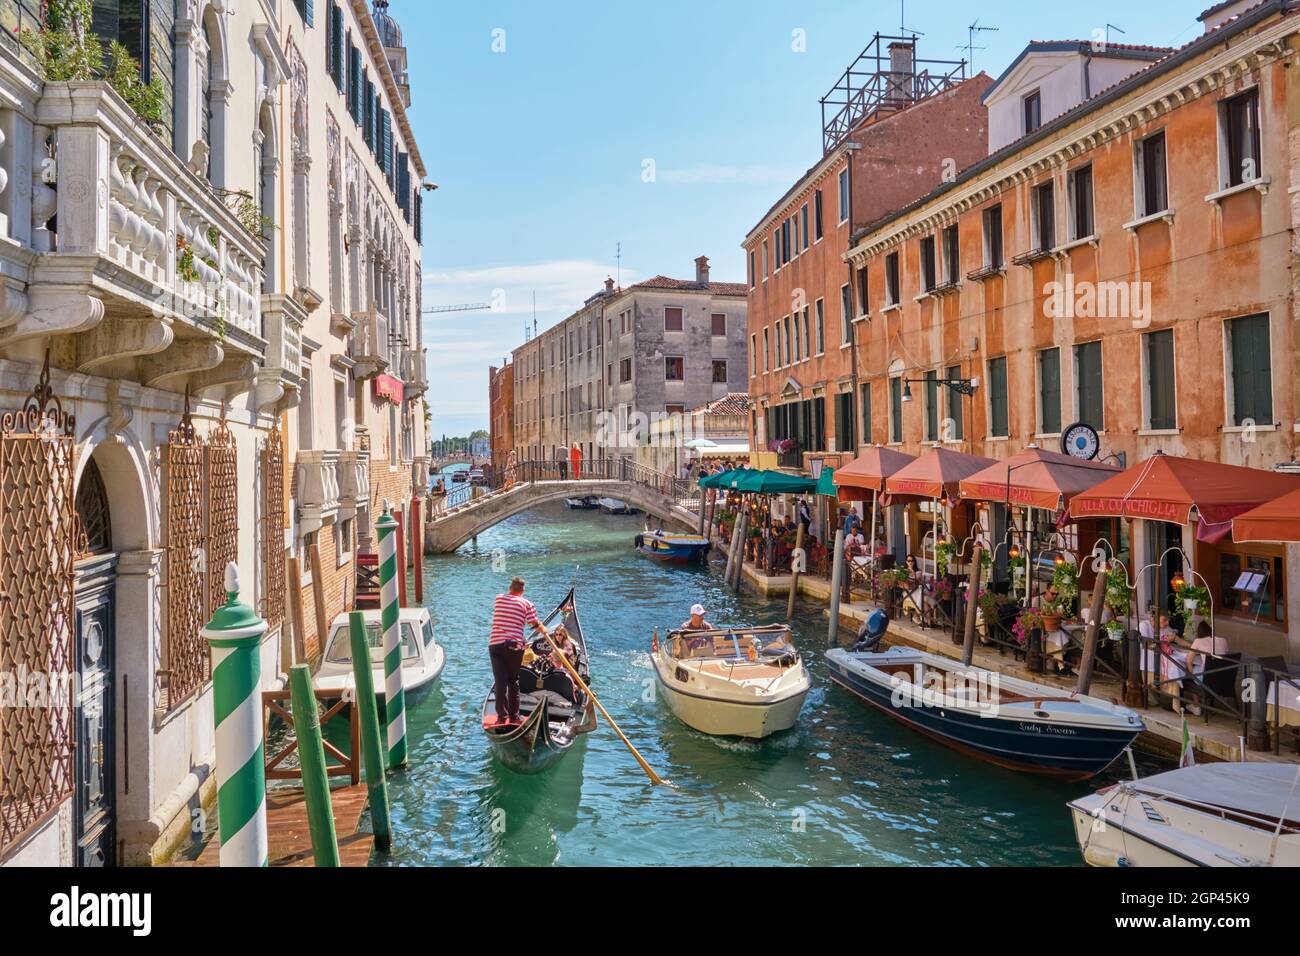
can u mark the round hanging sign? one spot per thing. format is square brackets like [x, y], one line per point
[1081, 441]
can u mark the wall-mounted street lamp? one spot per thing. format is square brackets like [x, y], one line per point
[962, 386]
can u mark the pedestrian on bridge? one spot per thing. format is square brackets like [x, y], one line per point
[575, 460]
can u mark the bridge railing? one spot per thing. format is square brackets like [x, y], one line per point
[682, 491]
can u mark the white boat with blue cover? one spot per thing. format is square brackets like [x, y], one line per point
[1017, 724]
[672, 546]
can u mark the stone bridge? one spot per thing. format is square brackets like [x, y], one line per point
[446, 531]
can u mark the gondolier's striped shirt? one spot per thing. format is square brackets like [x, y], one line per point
[510, 615]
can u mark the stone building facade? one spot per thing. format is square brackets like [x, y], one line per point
[1129, 265]
[627, 358]
[192, 311]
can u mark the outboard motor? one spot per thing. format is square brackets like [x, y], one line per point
[871, 633]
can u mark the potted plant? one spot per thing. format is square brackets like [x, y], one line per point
[1114, 629]
[1118, 592]
[1195, 601]
[1026, 623]
[943, 555]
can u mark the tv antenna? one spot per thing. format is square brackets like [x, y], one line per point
[1111, 26]
[902, 21]
[618, 259]
[970, 46]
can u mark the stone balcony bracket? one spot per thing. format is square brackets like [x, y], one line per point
[318, 487]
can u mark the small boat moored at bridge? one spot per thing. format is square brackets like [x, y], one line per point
[732, 682]
[553, 711]
[672, 546]
[1010, 722]
[616, 506]
[585, 503]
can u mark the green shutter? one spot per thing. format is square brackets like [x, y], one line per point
[1049, 391]
[1160, 380]
[866, 410]
[1252, 372]
[895, 409]
[931, 406]
[998, 424]
[1088, 364]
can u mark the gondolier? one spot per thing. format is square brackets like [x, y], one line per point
[511, 613]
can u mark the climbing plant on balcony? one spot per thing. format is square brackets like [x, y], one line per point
[66, 49]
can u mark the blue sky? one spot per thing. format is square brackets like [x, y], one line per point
[536, 120]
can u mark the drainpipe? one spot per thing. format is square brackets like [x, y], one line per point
[849, 150]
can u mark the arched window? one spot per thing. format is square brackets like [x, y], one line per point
[96, 535]
[266, 167]
[205, 54]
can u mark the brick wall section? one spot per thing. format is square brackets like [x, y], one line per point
[903, 156]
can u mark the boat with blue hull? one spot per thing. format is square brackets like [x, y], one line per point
[672, 546]
[1016, 724]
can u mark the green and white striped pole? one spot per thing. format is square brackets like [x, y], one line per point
[394, 695]
[235, 636]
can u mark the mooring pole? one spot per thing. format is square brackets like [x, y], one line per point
[311, 758]
[733, 550]
[372, 748]
[794, 572]
[972, 602]
[235, 637]
[1089, 659]
[738, 571]
[390, 550]
[837, 584]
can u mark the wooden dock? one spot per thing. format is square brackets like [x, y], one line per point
[289, 841]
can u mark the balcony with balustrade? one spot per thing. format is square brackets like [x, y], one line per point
[354, 483]
[319, 491]
[368, 344]
[414, 374]
[129, 250]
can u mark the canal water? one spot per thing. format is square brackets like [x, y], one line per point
[845, 786]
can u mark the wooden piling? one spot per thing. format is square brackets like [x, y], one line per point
[1089, 659]
[318, 596]
[794, 573]
[311, 760]
[972, 603]
[401, 558]
[417, 548]
[732, 551]
[742, 528]
[372, 749]
[837, 586]
[297, 615]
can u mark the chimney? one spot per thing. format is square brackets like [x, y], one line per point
[609, 286]
[702, 270]
[902, 69]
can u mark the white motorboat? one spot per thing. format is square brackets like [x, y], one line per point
[615, 506]
[1013, 723]
[733, 682]
[422, 657]
[1217, 814]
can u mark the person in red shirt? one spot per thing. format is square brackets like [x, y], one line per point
[511, 613]
[575, 460]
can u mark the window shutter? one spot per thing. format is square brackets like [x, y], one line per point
[998, 397]
[336, 45]
[386, 144]
[306, 8]
[1252, 373]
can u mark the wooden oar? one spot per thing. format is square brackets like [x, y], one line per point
[649, 770]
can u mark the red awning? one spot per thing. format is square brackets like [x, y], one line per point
[936, 474]
[1036, 478]
[1277, 521]
[867, 473]
[1167, 488]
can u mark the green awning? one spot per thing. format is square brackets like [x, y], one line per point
[826, 483]
[775, 483]
[718, 480]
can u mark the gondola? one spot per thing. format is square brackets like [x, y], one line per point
[553, 711]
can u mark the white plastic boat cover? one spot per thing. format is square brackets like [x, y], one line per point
[1262, 789]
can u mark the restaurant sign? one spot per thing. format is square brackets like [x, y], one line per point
[388, 388]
